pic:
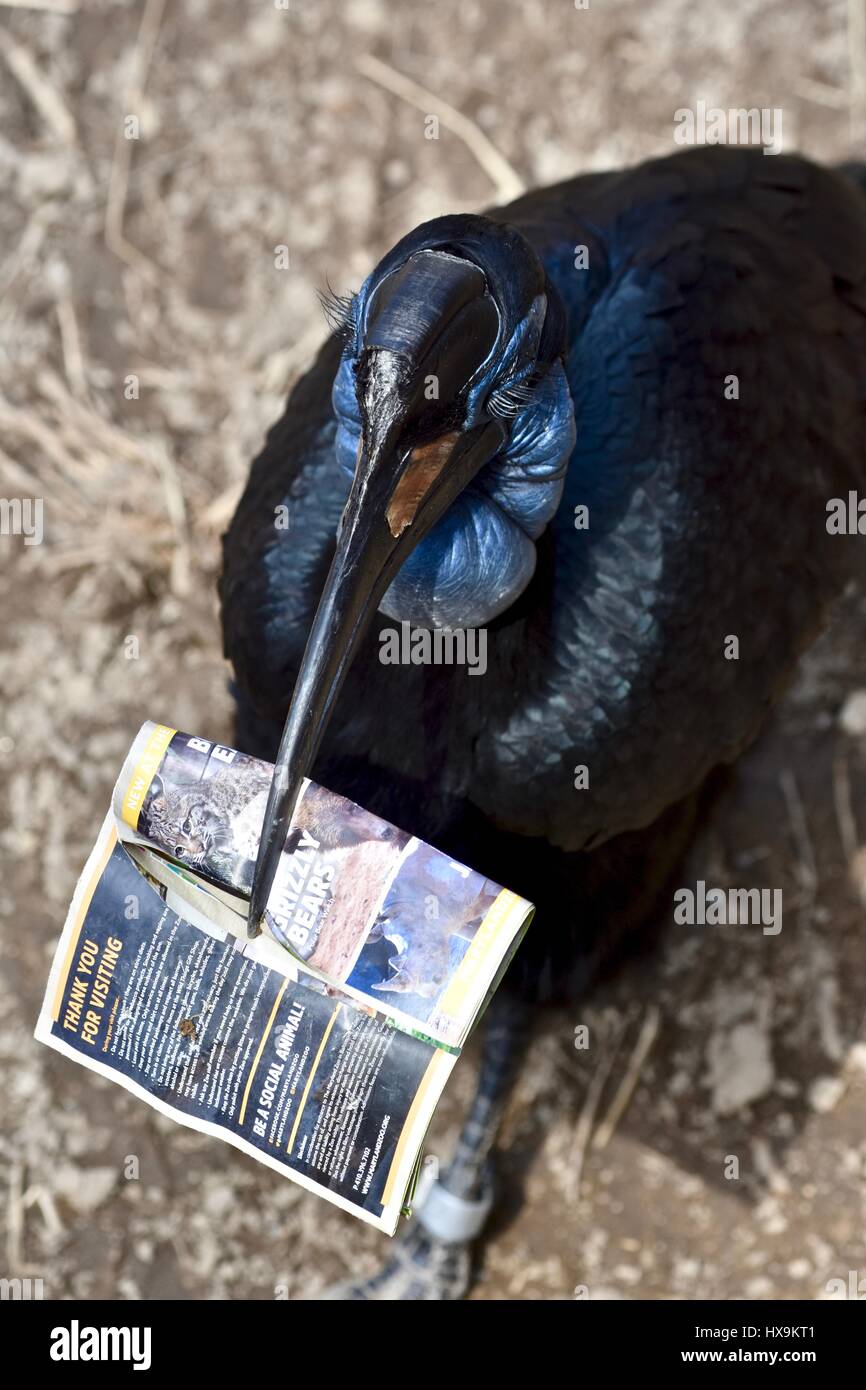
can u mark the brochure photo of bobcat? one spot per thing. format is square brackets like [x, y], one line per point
[211, 823]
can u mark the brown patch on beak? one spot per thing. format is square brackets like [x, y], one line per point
[425, 464]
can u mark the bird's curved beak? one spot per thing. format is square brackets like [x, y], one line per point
[398, 494]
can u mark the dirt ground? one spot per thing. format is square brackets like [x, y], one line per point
[147, 337]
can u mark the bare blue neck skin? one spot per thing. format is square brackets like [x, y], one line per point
[481, 555]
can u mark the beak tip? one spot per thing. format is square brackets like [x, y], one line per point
[256, 915]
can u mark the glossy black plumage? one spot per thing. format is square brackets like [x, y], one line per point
[707, 519]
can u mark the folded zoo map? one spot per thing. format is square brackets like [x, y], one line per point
[320, 1047]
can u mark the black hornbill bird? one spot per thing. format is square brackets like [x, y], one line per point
[680, 350]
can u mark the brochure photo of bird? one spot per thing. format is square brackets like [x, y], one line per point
[416, 942]
[433, 577]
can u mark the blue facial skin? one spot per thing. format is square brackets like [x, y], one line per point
[480, 555]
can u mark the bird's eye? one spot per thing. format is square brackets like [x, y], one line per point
[511, 397]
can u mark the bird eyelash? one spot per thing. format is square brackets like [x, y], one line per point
[507, 401]
[340, 310]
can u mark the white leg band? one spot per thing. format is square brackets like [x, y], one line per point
[453, 1219]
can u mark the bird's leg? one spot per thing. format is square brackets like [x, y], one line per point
[467, 1176]
[432, 1260]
